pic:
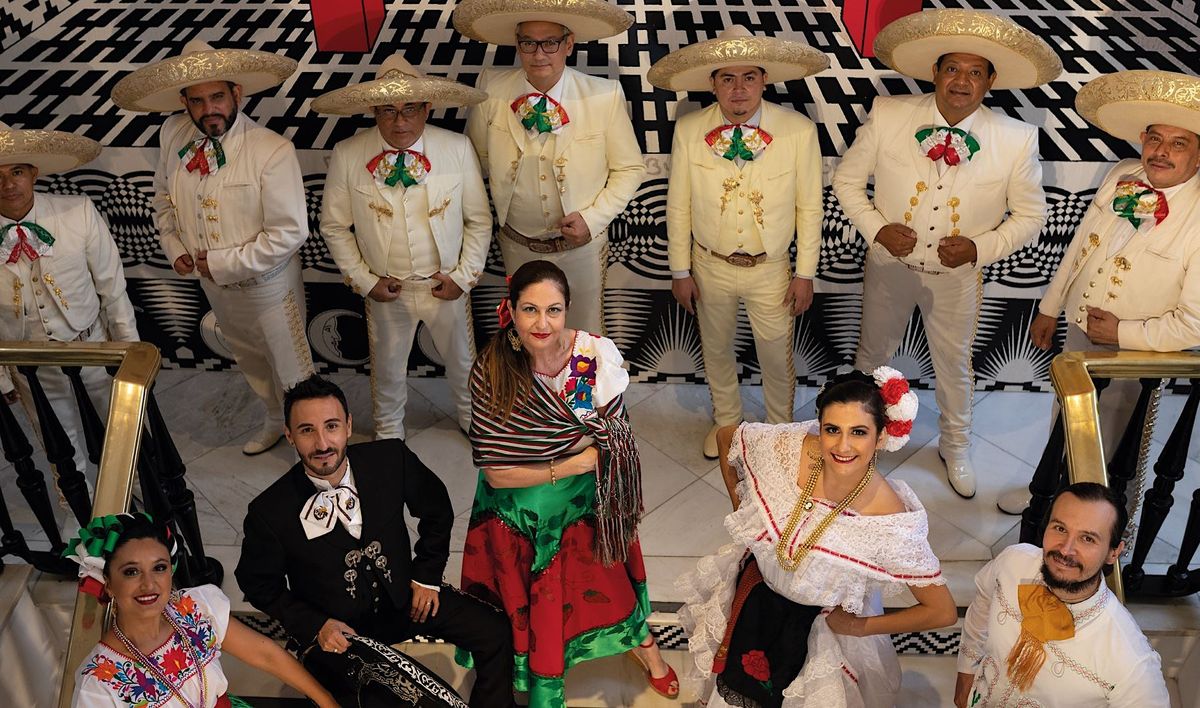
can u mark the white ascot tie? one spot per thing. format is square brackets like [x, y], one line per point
[329, 506]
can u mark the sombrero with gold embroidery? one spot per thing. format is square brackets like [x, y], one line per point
[1124, 103]
[912, 44]
[495, 21]
[155, 88]
[689, 68]
[397, 81]
[50, 151]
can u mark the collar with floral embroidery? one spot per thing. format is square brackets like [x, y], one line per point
[738, 141]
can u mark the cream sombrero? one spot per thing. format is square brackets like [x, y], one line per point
[689, 68]
[1124, 103]
[155, 88]
[50, 151]
[912, 44]
[495, 21]
[396, 82]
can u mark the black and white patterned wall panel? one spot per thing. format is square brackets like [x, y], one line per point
[59, 65]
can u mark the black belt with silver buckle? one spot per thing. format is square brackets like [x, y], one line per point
[557, 244]
[741, 260]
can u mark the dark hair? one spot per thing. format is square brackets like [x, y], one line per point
[504, 374]
[713, 74]
[135, 526]
[312, 387]
[854, 387]
[1095, 492]
[991, 67]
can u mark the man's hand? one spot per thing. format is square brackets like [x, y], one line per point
[1102, 326]
[332, 636]
[799, 295]
[424, 603]
[962, 689]
[842, 622]
[898, 239]
[184, 265]
[574, 229]
[954, 251]
[1041, 331]
[446, 289]
[686, 293]
[202, 264]
[386, 290]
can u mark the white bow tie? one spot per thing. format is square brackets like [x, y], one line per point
[327, 507]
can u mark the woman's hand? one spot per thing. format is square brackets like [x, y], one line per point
[842, 622]
[582, 462]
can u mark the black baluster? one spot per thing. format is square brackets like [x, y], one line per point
[59, 450]
[93, 424]
[30, 479]
[1179, 580]
[1168, 470]
[1047, 479]
[1123, 465]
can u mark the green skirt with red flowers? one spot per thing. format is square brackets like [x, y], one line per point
[529, 551]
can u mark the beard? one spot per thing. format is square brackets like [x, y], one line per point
[216, 131]
[1070, 587]
[327, 470]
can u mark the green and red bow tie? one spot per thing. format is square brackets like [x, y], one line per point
[1136, 201]
[738, 140]
[539, 113]
[407, 167]
[204, 154]
[950, 145]
[25, 238]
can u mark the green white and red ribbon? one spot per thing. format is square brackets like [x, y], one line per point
[391, 167]
[204, 154]
[950, 145]
[738, 140]
[1136, 201]
[539, 113]
[27, 239]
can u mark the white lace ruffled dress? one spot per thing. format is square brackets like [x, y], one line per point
[858, 561]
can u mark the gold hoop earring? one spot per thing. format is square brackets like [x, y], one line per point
[871, 464]
[514, 340]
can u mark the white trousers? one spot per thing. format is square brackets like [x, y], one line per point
[586, 268]
[391, 327]
[762, 289]
[264, 325]
[949, 305]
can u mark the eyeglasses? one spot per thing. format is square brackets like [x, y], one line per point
[549, 46]
[408, 111]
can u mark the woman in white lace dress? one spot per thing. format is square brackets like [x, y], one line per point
[790, 614]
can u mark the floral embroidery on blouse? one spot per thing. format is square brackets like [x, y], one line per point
[140, 688]
[581, 379]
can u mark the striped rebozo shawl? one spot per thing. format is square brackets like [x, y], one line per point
[542, 428]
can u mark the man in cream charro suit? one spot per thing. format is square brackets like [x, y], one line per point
[957, 186]
[1131, 277]
[557, 145]
[745, 184]
[407, 221]
[229, 206]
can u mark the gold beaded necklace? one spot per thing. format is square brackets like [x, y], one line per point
[804, 503]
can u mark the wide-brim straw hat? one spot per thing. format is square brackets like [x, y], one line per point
[397, 81]
[50, 151]
[1125, 103]
[912, 44]
[689, 68]
[495, 21]
[155, 88]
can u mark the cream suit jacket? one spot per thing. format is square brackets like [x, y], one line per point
[1005, 176]
[598, 150]
[1152, 284]
[787, 175]
[84, 264]
[251, 215]
[459, 216]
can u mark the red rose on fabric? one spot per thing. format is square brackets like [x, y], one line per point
[756, 666]
[174, 661]
[899, 428]
[893, 389]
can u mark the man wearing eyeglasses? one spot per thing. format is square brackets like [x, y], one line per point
[558, 146]
[406, 219]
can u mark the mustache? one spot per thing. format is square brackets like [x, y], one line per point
[1055, 555]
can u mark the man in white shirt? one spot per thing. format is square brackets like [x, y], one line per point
[229, 207]
[1045, 630]
[407, 221]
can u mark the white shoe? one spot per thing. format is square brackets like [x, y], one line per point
[1015, 501]
[266, 439]
[960, 474]
[710, 443]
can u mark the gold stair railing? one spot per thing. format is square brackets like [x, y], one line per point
[1072, 374]
[138, 363]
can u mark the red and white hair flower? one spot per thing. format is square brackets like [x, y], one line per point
[900, 406]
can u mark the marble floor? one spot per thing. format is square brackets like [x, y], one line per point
[211, 414]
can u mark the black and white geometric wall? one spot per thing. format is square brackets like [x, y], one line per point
[60, 58]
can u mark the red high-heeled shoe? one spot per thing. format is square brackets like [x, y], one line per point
[666, 686]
